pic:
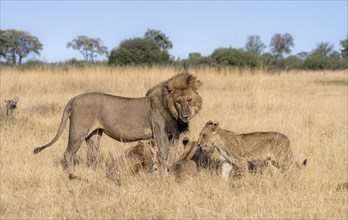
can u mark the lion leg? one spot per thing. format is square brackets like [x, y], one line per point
[226, 170]
[73, 146]
[75, 141]
[93, 143]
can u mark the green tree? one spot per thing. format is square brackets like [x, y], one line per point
[255, 45]
[196, 59]
[323, 49]
[233, 57]
[194, 55]
[280, 44]
[316, 61]
[138, 51]
[292, 62]
[90, 48]
[159, 38]
[344, 51]
[16, 45]
[324, 57]
[302, 55]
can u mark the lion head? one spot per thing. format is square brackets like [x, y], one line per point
[207, 137]
[146, 151]
[181, 98]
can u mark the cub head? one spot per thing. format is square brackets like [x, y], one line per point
[146, 149]
[190, 148]
[207, 137]
[181, 97]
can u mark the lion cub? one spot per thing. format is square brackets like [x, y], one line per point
[271, 148]
[185, 166]
[136, 159]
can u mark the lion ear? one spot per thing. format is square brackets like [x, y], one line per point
[193, 83]
[196, 85]
[215, 126]
[169, 88]
[210, 122]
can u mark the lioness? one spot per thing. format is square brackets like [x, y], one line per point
[136, 159]
[241, 149]
[163, 114]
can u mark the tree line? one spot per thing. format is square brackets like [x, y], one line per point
[153, 47]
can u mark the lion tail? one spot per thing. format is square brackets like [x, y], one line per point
[65, 117]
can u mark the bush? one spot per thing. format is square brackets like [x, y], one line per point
[315, 61]
[195, 59]
[34, 64]
[138, 51]
[291, 62]
[233, 57]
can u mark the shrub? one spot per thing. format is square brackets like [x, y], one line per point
[233, 57]
[138, 51]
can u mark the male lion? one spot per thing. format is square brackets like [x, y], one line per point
[243, 149]
[163, 114]
[136, 159]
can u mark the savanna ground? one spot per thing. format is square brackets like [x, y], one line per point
[309, 107]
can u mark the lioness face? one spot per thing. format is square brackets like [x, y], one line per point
[184, 104]
[208, 137]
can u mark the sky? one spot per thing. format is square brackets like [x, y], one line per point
[192, 26]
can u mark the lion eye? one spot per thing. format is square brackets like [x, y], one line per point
[189, 101]
[177, 102]
[204, 136]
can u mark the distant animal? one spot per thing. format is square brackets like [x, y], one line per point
[342, 187]
[135, 160]
[241, 149]
[163, 114]
[10, 106]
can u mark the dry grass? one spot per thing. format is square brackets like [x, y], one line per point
[313, 115]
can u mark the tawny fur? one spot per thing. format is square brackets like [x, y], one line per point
[135, 160]
[241, 149]
[185, 166]
[163, 114]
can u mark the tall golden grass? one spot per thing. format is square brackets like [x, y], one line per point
[309, 107]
